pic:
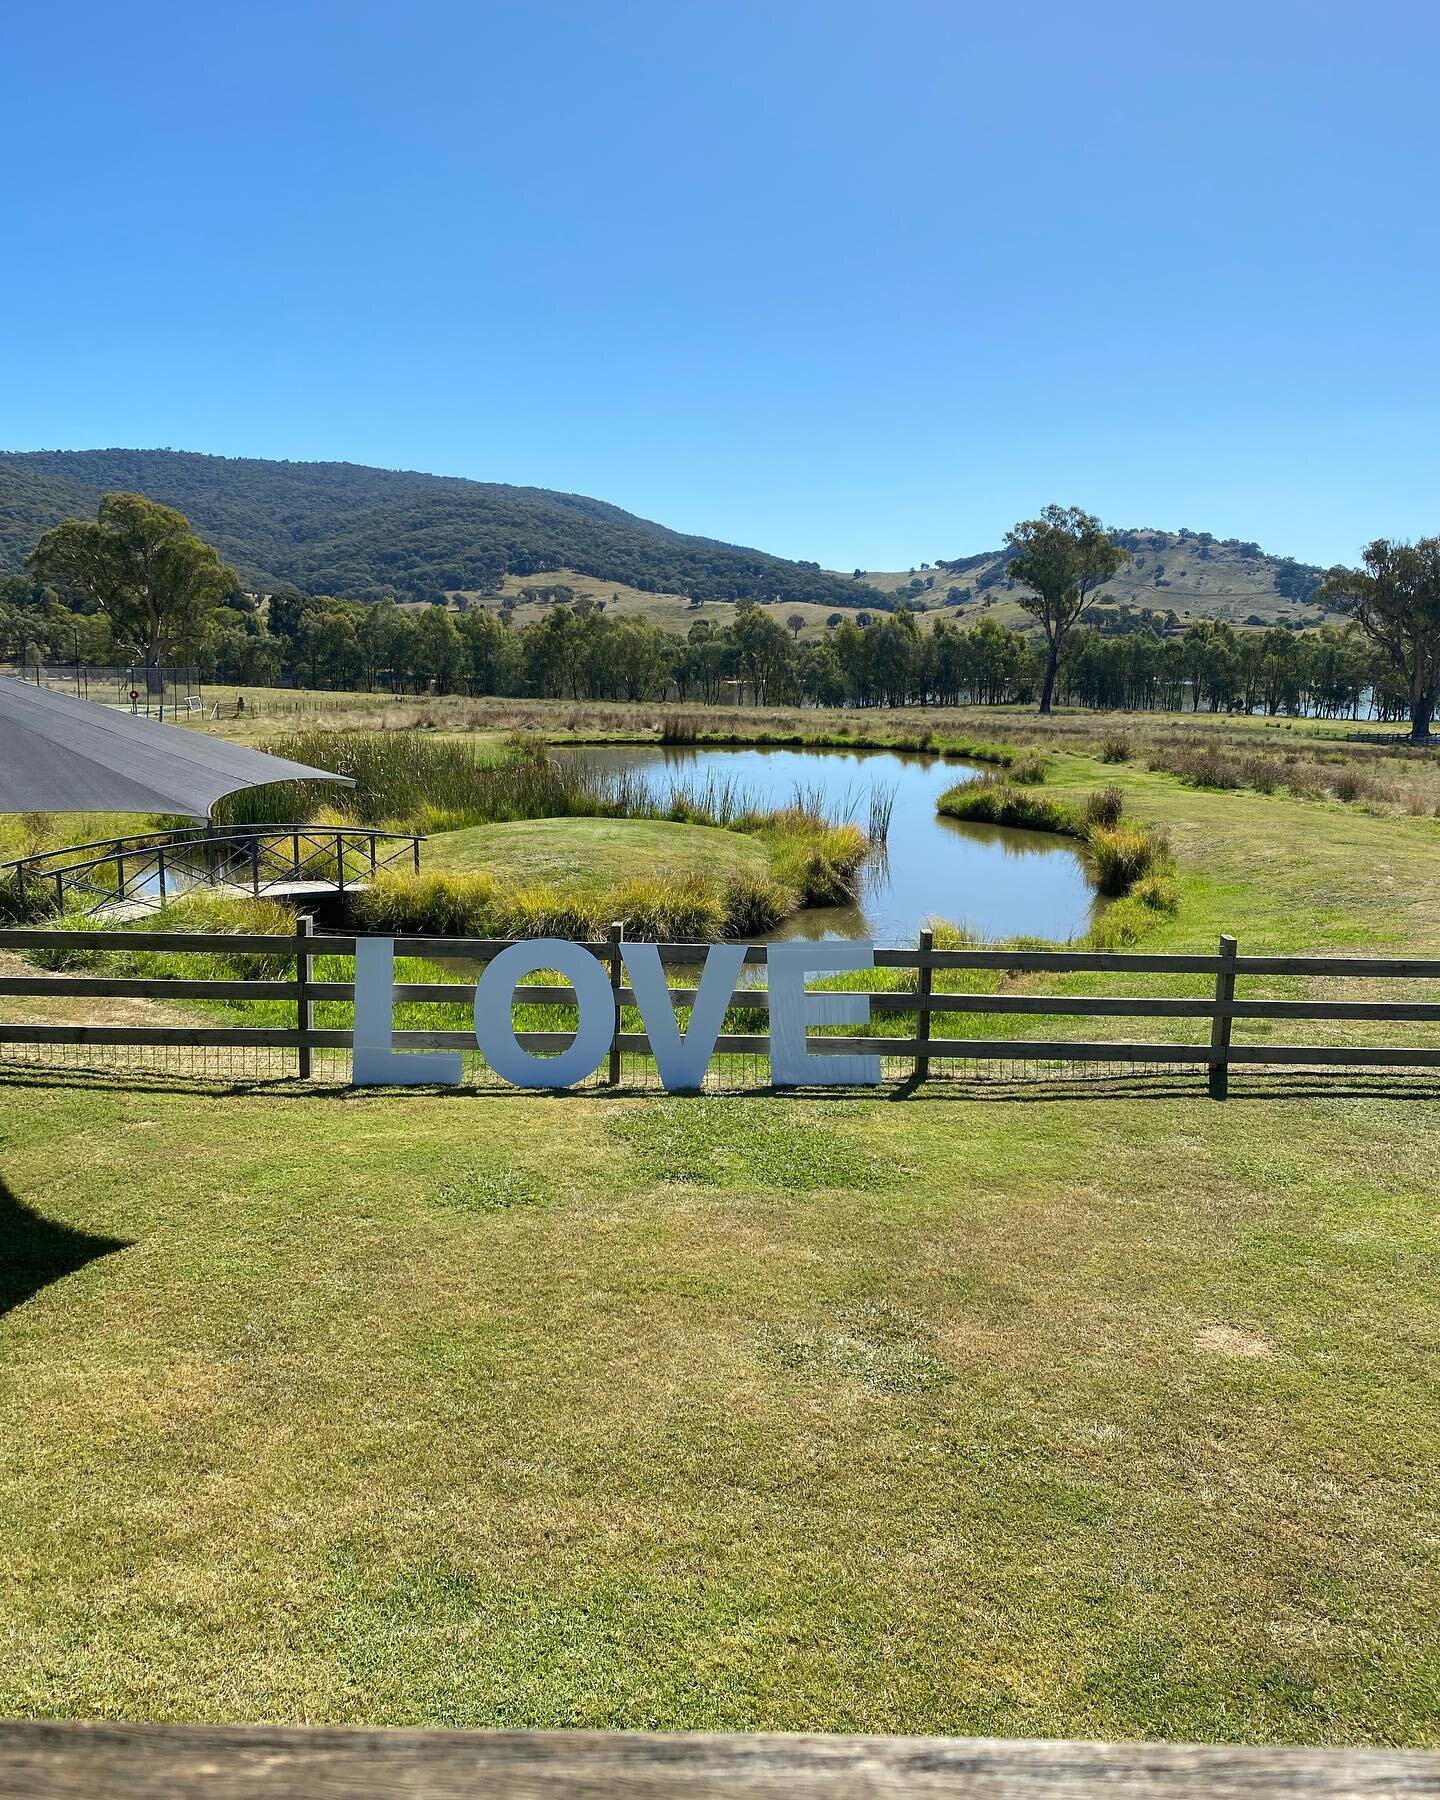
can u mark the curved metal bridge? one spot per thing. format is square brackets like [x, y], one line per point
[123, 876]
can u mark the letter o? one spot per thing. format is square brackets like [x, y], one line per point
[495, 1031]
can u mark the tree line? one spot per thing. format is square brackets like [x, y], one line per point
[138, 582]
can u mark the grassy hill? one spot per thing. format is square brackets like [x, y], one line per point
[340, 528]
[1189, 573]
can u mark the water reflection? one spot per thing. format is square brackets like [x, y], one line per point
[1004, 883]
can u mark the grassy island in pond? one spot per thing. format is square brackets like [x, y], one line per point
[590, 856]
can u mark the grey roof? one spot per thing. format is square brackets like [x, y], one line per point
[60, 754]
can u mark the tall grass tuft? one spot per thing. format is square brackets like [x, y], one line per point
[987, 801]
[680, 909]
[1104, 807]
[1124, 854]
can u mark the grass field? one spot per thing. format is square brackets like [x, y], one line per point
[594, 855]
[1103, 1418]
[1102, 1410]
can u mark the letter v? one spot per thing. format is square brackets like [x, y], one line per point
[682, 1061]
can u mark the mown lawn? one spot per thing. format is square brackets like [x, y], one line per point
[1104, 1417]
[593, 856]
[1104, 1414]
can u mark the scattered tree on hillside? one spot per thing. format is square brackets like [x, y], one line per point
[796, 622]
[1062, 557]
[1395, 600]
[159, 585]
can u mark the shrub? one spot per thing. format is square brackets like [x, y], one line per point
[1104, 807]
[200, 910]
[821, 863]
[448, 905]
[1028, 771]
[1115, 750]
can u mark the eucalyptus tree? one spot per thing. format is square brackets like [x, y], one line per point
[1062, 557]
[1395, 600]
[159, 584]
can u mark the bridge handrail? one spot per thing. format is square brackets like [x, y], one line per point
[193, 836]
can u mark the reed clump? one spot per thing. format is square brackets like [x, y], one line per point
[988, 801]
[681, 909]
[1123, 855]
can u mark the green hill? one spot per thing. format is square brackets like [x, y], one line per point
[1189, 573]
[341, 528]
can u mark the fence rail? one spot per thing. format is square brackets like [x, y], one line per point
[919, 1000]
[244, 1762]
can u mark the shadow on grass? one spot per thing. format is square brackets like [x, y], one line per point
[35, 1251]
[1159, 1085]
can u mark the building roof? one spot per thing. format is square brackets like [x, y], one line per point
[60, 754]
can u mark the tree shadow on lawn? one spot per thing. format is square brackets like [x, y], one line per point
[35, 1251]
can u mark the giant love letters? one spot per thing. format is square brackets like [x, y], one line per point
[680, 1057]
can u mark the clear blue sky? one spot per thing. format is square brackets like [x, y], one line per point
[857, 282]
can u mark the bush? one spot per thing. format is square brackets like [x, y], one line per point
[1028, 771]
[200, 911]
[679, 728]
[1115, 750]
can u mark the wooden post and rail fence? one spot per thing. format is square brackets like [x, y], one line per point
[919, 1000]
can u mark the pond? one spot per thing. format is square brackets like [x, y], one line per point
[1001, 882]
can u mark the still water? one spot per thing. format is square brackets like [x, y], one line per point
[1001, 882]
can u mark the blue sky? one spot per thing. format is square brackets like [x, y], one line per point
[861, 283]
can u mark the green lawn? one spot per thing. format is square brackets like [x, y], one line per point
[593, 856]
[997, 1411]
[1105, 1418]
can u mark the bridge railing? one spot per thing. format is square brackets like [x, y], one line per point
[153, 866]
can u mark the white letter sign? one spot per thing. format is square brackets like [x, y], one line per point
[682, 1062]
[374, 1062]
[495, 995]
[792, 1009]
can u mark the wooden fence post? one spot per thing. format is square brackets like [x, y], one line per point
[617, 969]
[1220, 1024]
[304, 1006]
[924, 982]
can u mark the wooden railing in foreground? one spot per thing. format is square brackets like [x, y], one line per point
[245, 1762]
[920, 1000]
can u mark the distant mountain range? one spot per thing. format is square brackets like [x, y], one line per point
[342, 528]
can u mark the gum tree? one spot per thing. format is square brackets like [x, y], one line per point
[142, 566]
[1395, 600]
[1063, 557]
